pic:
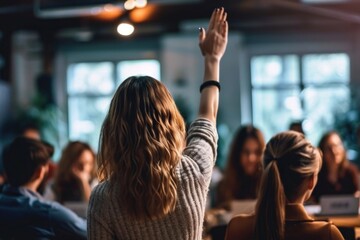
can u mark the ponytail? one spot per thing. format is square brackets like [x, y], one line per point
[270, 207]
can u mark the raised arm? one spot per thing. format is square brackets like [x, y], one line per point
[212, 45]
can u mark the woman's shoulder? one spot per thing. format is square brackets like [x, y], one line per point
[241, 227]
[319, 230]
[243, 219]
[351, 168]
[335, 233]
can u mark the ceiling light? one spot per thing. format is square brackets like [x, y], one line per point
[141, 3]
[109, 7]
[125, 29]
[130, 4]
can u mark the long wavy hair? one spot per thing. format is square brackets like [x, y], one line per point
[141, 142]
[289, 160]
[234, 176]
[64, 176]
[323, 145]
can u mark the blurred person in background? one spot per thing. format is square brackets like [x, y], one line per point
[297, 127]
[244, 167]
[25, 214]
[31, 131]
[338, 176]
[75, 176]
[291, 170]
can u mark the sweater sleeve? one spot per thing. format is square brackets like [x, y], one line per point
[97, 221]
[201, 145]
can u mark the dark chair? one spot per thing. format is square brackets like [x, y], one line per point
[218, 232]
[348, 233]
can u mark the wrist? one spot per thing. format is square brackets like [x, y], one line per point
[212, 59]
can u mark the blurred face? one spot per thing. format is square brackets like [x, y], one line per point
[32, 133]
[250, 156]
[334, 151]
[85, 163]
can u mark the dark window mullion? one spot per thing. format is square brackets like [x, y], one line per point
[115, 75]
[301, 81]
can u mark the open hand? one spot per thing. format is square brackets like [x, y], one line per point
[213, 41]
[82, 175]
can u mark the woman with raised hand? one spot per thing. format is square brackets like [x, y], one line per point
[291, 165]
[154, 181]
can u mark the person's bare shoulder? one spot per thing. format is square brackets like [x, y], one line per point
[335, 233]
[241, 226]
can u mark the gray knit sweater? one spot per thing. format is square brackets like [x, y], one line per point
[108, 220]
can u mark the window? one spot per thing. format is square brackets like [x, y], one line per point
[90, 87]
[312, 87]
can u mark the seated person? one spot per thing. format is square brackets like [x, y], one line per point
[33, 131]
[338, 176]
[244, 168]
[297, 127]
[76, 174]
[291, 165]
[24, 214]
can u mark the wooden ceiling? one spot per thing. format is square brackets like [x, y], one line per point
[163, 16]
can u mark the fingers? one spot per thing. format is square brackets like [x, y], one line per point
[224, 17]
[212, 19]
[201, 35]
[225, 29]
[218, 13]
[218, 18]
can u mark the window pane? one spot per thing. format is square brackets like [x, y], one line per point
[322, 106]
[274, 110]
[91, 78]
[86, 116]
[139, 67]
[325, 68]
[274, 70]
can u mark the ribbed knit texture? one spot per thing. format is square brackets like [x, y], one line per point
[107, 218]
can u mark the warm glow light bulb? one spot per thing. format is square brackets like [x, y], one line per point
[109, 7]
[125, 29]
[141, 3]
[130, 4]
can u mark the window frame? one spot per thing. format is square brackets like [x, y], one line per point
[280, 44]
[301, 85]
[72, 55]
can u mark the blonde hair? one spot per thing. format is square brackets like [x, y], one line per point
[140, 145]
[289, 159]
